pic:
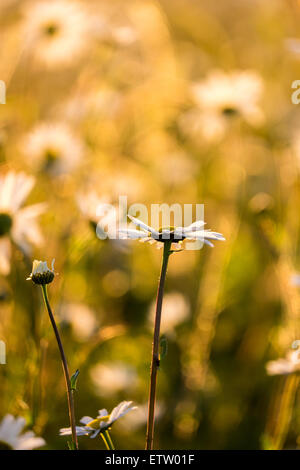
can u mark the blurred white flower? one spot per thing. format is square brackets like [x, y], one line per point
[11, 437]
[124, 35]
[103, 215]
[17, 223]
[287, 365]
[135, 420]
[177, 235]
[97, 102]
[295, 279]
[293, 45]
[296, 148]
[113, 377]
[175, 311]
[220, 96]
[236, 92]
[81, 318]
[93, 426]
[57, 32]
[53, 147]
[176, 169]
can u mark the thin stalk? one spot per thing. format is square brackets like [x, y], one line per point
[109, 440]
[65, 368]
[155, 347]
[105, 441]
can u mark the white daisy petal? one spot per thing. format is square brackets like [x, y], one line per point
[95, 434]
[133, 234]
[144, 226]
[86, 419]
[194, 226]
[5, 254]
[10, 434]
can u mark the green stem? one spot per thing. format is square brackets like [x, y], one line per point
[155, 347]
[65, 368]
[109, 440]
[105, 441]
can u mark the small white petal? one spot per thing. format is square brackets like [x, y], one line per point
[133, 234]
[141, 224]
[95, 434]
[194, 226]
[86, 419]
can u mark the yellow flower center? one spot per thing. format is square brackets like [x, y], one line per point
[170, 229]
[95, 424]
[167, 234]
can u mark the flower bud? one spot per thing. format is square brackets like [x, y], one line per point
[41, 274]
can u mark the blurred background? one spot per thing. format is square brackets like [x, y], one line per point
[175, 101]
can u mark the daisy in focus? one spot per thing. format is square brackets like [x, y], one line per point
[93, 426]
[53, 147]
[58, 32]
[11, 437]
[17, 224]
[287, 365]
[221, 96]
[175, 235]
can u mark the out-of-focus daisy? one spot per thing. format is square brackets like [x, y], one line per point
[176, 235]
[102, 214]
[135, 420]
[233, 93]
[97, 102]
[293, 45]
[17, 223]
[53, 147]
[11, 437]
[81, 318]
[176, 311]
[295, 279]
[58, 32]
[93, 426]
[124, 35]
[287, 365]
[113, 377]
[296, 148]
[223, 95]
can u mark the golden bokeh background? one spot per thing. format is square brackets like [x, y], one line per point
[167, 101]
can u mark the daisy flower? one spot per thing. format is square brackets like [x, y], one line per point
[287, 365]
[102, 215]
[176, 311]
[175, 235]
[295, 279]
[53, 147]
[111, 378]
[169, 237]
[42, 276]
[58, 32]
[81, 318]
[93, 426]
[17, 223]
[221, 96]
[11, 437]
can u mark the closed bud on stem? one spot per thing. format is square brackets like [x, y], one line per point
[41, 274]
